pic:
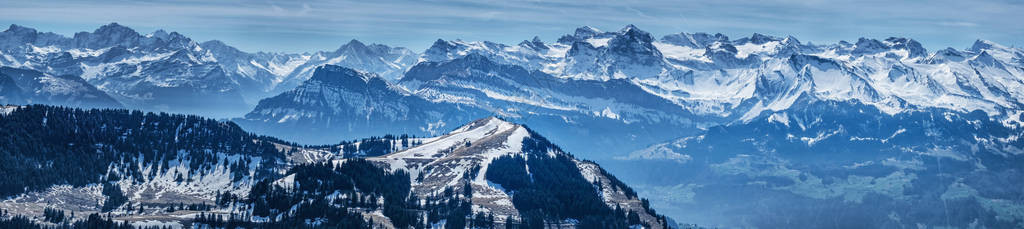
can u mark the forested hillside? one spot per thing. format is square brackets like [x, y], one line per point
[75, 168]
[41, 146]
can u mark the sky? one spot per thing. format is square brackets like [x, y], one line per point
[301, 26]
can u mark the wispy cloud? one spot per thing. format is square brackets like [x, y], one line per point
[958, 23]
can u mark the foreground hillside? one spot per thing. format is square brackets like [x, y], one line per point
[64, 166]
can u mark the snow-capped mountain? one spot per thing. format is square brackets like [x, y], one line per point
[714, 76]
[712, 79]
[576, 111]
[628, 82]
[278, 72]
[164, 71]
[339, 103]
[178, 169]
[158, 72]
[23, 86]
[511, 90]
[480, 156]
[587, 54]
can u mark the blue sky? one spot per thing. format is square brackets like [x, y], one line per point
[298, 26]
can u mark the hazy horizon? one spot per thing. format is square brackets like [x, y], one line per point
[308, 26]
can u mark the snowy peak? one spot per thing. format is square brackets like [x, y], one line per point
[342, 103]
[489, 125]
[115, 30]
[630, 28]
[462, 138]
[982, 45]
[443, 50]
[159, 34]
[758, 39]
[439, 51]
[868, 46]
[354, 44]
[635, 43]
[909, 47]
[472, 60]
[358, 50]
[912, 46]
[694, 40]
[17, 35]
[485, 138]
[581, 34]
[17, 29]
[587, 31]
[947, 54]
[998, 51]
[985, 59]
[112, 34]
[536, 40]
[440, 44]
[361, 54]
[343, 77]
[445, 161]
[625, 54]
[459, 67]
[217, 46]
[536, 44]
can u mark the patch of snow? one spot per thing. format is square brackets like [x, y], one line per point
[681, 52]
[607, 112]
[157, 223]
[779, 118]
[7, 110]
[745, 50]
[598, 42]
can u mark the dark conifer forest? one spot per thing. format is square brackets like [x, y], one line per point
[42, 146]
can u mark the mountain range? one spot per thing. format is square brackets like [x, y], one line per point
[170, 72]
[834, 127]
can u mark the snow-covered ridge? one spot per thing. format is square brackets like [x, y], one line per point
[706, 74]
[434, 149]
[442, 162]
[342, 103]
[717, 76]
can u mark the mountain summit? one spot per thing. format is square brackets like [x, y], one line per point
[495, 162]
[341, 103]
